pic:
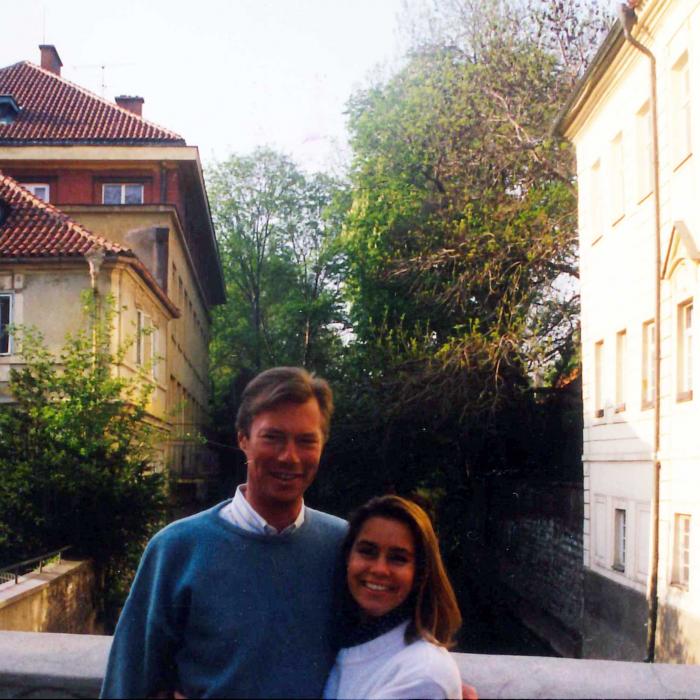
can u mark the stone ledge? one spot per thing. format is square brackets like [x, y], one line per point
[34, 665]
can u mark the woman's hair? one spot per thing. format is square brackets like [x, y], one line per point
[436, 615]
[279, 385]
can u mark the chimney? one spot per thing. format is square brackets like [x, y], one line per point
[132, 103]
[50, 60]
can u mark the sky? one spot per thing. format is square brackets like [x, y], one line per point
[227, 75]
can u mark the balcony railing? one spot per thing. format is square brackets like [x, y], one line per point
[34, 665]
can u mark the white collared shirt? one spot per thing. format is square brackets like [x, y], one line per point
[241, 514]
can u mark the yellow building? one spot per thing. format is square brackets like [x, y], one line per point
[138, 188]
[634, 120]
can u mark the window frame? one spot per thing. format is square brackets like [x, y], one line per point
[680, 564]
[617, 189]
[621, 362]
[32, 186]
[122, 193]
[645, 170]
[648, 364]
[599, 379]
[620, 533]
[596, 203]
[10, 319]
[681, 109]
[684, 355]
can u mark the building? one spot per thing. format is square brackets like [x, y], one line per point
[113, 201]
[635, 123]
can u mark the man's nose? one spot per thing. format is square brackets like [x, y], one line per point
[289, 452]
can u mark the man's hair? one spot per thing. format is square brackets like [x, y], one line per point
[280, 385]
[435, 614]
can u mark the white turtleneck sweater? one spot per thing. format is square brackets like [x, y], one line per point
[387, 667]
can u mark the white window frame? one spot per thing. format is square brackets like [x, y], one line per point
[685, 351]
[596, 203]
[620, 539]
[645, 168]
[599, 380]
[680, 571]
[681, 111]
[143, 335]
[34, 187]
[617, 179]
[11, 313]
[620, 370]
[122, 196]
[648, 364]
[155, 334]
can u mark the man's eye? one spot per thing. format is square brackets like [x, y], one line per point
[309, 442]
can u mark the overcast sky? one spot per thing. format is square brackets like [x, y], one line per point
[227, 75]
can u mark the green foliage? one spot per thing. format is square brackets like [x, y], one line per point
[277, 230]
[76, 453]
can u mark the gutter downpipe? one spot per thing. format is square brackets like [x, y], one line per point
[628, 19]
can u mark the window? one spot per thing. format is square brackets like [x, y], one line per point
[122, 193]
[681, 108]
[620, 367]
[144, 342]
[155, 335]
[599, 400]
[648, 364]
[39, 189]
[5, 321]
[620, 539]
[685, 351]
[596, 203]
[645, 170]
[599, 527]
[617, 184]
[680, 575]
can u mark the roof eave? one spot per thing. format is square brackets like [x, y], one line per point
[601, 62]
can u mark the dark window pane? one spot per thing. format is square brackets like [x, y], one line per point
[112, 194]
[133, 194]
[4, 321]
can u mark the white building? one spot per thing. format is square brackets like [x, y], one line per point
[641, 411]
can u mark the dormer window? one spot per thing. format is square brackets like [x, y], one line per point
[8, 109]
[122, 193]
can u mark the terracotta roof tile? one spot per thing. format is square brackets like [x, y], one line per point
[32, 228]
[54, 110]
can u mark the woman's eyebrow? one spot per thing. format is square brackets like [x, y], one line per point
[401, 550]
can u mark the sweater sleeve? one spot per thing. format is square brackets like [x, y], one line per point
[141, 659]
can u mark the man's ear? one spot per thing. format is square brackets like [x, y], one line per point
[242, 440]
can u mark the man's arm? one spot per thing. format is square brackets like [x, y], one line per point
[141, 660]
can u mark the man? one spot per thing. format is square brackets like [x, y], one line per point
[237, 601]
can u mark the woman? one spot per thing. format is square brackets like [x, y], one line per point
[400, 615]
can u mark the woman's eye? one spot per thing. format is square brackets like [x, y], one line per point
[398, 559]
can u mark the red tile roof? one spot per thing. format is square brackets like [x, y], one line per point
[36, 229]
[54, 110]
[32, 229]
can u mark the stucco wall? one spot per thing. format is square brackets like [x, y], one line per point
[59, 599]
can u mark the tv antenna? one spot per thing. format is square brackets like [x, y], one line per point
[103, 70]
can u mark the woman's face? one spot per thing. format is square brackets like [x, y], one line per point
[381, 565]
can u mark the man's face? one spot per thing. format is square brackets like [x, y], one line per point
[283, 450]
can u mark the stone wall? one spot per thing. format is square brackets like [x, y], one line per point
[528, 547]
[72, 666]
[59, 599]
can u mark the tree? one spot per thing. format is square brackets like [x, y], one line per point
[76, 456]
[277, 230]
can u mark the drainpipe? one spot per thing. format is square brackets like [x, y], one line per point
[95, 257]
[628, 19]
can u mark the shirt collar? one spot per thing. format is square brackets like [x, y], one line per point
[242, 514]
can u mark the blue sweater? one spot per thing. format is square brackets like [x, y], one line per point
[215, 611]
